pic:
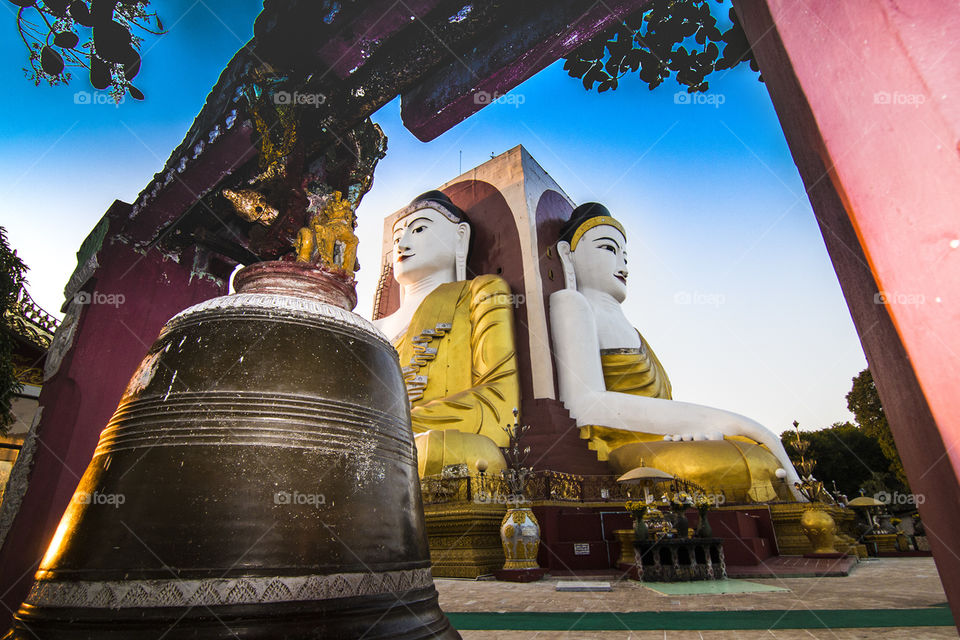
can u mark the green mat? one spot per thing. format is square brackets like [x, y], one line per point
[700, 620]
[704, 587]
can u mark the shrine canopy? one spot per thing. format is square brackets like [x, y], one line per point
[336, 63]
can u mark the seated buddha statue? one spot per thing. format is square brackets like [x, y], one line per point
[619, 393]
[455, 340]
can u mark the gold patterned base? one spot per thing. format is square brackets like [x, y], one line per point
[627, 555]
[793, 542]
[464, 539]
[886, 542]
[846, 540]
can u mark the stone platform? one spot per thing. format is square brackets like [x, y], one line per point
[868, 603]
[795, 567]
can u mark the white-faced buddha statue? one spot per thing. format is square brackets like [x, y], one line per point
[455, 340]
[618, 391]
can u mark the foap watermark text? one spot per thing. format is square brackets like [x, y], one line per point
[97, 98]
[899, 99]
[297, 98]
[98, 297]
[96, 498]
[711, 99]
[897, 498]
[486, 497]
[697, 297]
[485, 97]
[295, 498]
[896, 297]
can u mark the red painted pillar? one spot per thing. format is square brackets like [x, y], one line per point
[130, 296]
[867, 94]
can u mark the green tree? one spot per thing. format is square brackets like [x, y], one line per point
[98, 36]
[848, 456]
[864, 403]
[667, 38]
[12, 270]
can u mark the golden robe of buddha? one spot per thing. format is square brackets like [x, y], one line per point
[459, 361]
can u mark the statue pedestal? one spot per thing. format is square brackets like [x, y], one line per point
[882, 542]
[464, 539]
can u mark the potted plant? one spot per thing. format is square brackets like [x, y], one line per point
[681, 502]
[637, 510]
[703, 526]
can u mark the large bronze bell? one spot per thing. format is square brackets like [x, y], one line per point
[258, 480]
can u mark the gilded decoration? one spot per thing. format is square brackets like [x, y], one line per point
[520, 533]
[274, 118]
[329, 239]
[792, 539]
[251, 206]
[590, 224]
[819, 527]
[27, 372]
[31, 322]
[464, 539]
[35, 329]
[539, 487]
[464, 513]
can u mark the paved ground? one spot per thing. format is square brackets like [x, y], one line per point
[887, 583]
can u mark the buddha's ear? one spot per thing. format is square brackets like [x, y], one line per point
[566, 260]
[463, 245]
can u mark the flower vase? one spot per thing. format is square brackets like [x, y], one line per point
[683, 525]
[640, 530]
[704, 530]
[520, 535]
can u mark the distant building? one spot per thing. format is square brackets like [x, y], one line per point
[34, 335]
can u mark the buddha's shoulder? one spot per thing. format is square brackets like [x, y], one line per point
[569, 300]
[488, 284]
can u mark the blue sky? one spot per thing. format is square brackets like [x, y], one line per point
[729, 278]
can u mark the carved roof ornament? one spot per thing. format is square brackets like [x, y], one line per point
[287, 123]
[32, 322]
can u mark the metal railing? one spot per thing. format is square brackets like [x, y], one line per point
[540, 486]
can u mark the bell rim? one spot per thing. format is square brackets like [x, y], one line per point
[274, 302]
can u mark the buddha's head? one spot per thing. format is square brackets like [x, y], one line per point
[593, 251]
[431, 236]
